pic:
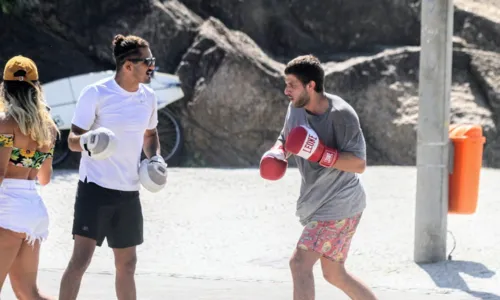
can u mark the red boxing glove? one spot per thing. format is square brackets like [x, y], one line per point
[304, 142]
[273, 164]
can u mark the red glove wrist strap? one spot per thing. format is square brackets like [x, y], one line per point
[329, 157]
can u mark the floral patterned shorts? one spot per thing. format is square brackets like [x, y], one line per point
[332, 239]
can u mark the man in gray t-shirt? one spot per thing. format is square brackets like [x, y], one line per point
[323, 134]
[329, 193]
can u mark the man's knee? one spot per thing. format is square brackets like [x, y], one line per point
[302, 261]
[80, 264]
[334, 273]
[80, 260]
[126, 265]
[82, 254]
[295, 263]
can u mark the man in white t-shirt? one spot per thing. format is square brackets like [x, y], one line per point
[114, 121]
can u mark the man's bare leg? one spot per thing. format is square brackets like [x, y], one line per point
[301, 265]
[336, 274]
[83, 250]
[125, 262]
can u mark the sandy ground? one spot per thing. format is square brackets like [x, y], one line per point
[228, 234]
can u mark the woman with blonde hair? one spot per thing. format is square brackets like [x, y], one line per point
[27, 139]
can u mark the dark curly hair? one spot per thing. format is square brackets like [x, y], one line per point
[125, 47]
[307, 68]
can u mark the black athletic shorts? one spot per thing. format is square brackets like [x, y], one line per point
[105, 213]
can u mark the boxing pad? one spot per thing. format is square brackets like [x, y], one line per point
[153, 173]
[304, 142]
[99, 143]
[273, 164]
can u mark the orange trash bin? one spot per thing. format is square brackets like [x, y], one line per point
[467, 155]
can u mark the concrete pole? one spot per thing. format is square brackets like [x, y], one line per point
[432, 136]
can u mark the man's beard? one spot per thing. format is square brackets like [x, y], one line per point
[147, 80]
[302, 101]
[149, 75]
[144, 78]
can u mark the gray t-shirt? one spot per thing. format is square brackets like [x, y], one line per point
[328, 193]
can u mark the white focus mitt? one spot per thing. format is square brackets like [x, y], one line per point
[153, 173]
[99, 143]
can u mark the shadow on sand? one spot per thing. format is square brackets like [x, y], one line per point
[447, 275]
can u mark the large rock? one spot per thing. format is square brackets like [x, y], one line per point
[75, 37]
[234, 102]
[384, 91]
[330, 28]
[478, 22]
[318, 26]
[54, 56]
[485, 67]
[90, 25]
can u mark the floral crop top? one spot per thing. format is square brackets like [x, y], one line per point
[21, 157]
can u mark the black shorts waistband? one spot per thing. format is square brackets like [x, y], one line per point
[108, 191]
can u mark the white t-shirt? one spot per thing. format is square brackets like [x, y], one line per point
[128, 115]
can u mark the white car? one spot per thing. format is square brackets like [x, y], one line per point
[62, 94]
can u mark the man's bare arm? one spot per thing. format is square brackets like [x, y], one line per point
[74, 138]
[151, 143]
[348, 162]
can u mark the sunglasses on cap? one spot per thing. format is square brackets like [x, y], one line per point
[149, 61]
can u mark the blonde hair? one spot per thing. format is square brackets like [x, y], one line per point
[24, 102]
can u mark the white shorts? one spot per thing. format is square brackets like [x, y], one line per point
[22, 209]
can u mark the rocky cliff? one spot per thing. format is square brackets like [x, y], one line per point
[230, 56]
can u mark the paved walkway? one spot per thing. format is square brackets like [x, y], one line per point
[158, 286]
[227, 234]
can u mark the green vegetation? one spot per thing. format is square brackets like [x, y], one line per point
[6, 6]
[16, 6]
